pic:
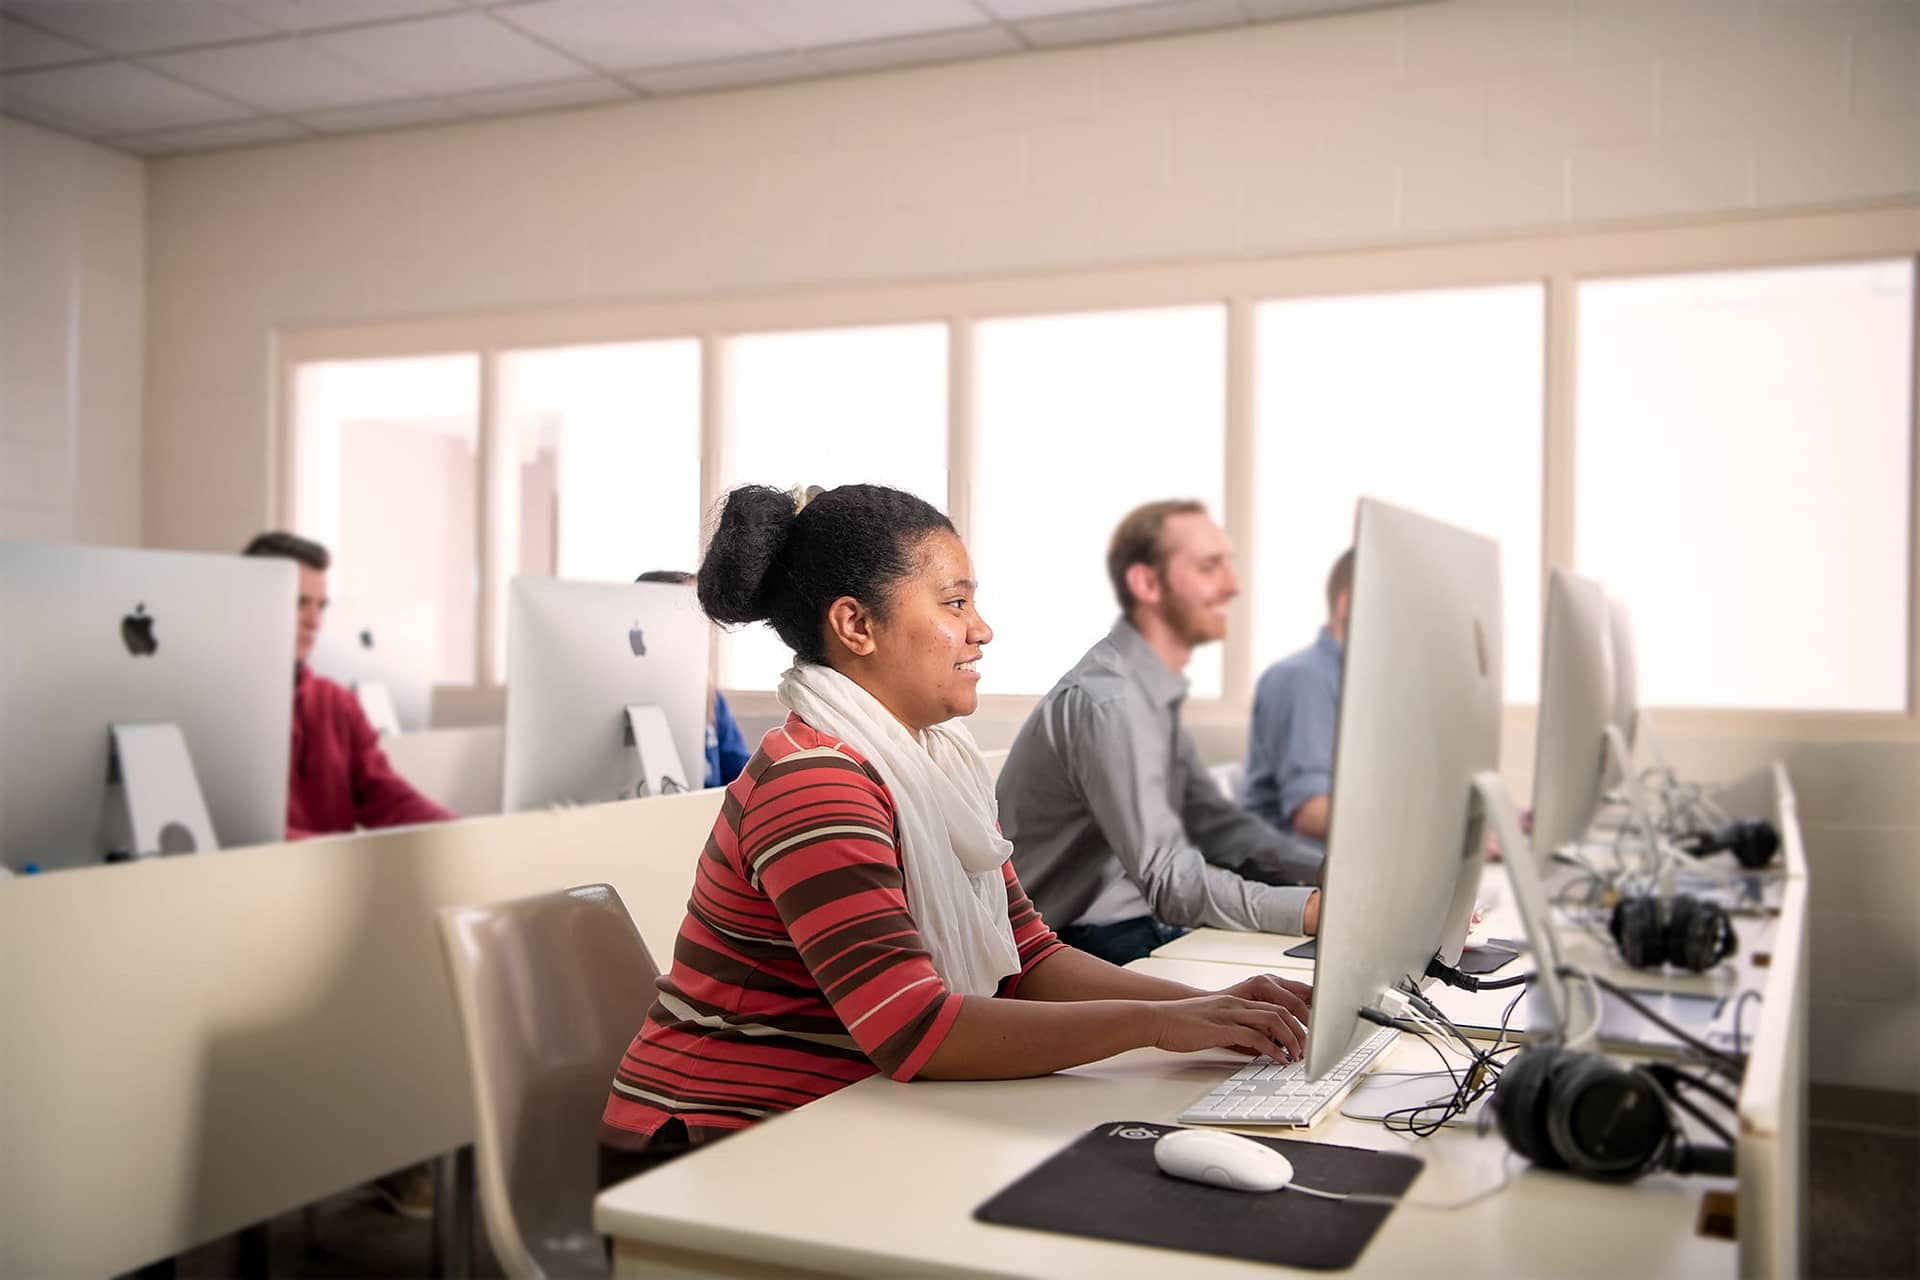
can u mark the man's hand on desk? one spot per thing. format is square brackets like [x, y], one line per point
[1310, 922]
[1295, 997]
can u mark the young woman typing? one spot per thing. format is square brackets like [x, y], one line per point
[855, 909]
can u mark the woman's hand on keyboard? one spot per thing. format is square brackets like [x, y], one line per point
[1295, 997]
[1230, 1022]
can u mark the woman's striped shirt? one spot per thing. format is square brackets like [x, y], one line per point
[798, 969]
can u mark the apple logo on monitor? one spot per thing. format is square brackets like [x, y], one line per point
[136, 632]
[366, 638]
[637, 641]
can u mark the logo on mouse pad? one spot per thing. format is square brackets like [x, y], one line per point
[136, 632]
[637, 641]
[1138, 1132]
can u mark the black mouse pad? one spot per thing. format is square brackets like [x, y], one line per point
[1106, 1185]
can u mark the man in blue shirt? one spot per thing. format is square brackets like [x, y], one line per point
[1295, 707]
[727, 750]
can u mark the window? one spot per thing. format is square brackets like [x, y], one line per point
[386, 467]
[604, 473]
[831, 407]
[1079, 419]
[1743, 476]
[1433, 401]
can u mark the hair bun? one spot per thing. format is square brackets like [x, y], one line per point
[754, 522]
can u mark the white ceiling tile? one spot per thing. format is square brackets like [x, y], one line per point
[948, 46]
[458, 54]
[821, 22]
[111, 97]
[318, 15]
[21, 46]
[383, 115]
[288, 76]
[241, 133]
[620, 35]
[1129, 24]
[547, 97]
[1020, 10]
[139, 26]
[726, 75]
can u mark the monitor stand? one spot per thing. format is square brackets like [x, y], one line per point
[154, 804]
[1530, 896]
[661, 772]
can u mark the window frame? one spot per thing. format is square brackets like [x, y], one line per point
[1560, 261]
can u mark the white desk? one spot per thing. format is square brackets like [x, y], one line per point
[1224, 946]
[881, 1179]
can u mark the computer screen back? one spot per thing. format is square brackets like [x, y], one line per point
[1420, 705]
[578, 653]
[1626, 672]
[394, 644]
[1576, 703]
[91, 637]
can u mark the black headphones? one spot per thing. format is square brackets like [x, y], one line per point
[1590, 1116]
[1752, 844]
[1686, 932]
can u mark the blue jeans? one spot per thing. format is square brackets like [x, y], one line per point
[1121, 941]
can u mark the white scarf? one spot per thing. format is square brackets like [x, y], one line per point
[951, 849]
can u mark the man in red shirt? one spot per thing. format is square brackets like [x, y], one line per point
[340, 778]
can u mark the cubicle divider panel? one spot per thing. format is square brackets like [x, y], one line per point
[1772, 1148]
[195, 1044]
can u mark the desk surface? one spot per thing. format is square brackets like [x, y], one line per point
[889, 1175]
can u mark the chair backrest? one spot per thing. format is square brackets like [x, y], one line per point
[550, 990]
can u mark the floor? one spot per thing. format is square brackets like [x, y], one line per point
[1864, 1210]
[1863, 1203]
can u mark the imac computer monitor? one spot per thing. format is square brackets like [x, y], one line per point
[579, 654]
[1577, 704]
[391, 647]
[92, 638]
[1420, 705]
[1626, 676]
[1577, 700]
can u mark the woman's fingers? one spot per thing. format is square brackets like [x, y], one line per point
[1296, 998]
[1279, 1029]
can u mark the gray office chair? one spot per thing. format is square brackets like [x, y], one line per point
[550, 990]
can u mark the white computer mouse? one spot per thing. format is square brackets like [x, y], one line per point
[1222, 1160]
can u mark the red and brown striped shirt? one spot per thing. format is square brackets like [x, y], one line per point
[798, 969]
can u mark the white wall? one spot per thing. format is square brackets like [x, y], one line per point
[1452, 119]
[72, 312]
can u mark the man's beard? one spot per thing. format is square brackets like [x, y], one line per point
[1191, 620]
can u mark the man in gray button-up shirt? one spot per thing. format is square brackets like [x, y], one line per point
[1119, 834]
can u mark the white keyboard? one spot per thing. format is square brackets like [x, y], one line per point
[1265, 1092]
